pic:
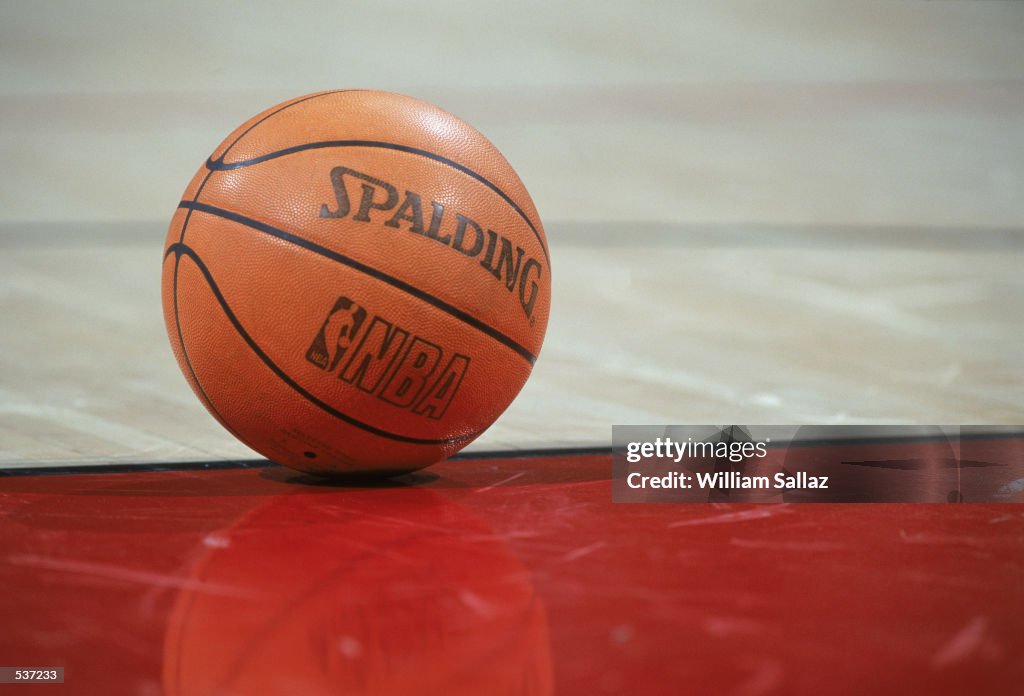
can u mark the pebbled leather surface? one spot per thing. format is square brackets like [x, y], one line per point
[333, 221]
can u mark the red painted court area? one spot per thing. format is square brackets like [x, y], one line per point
[497, 576]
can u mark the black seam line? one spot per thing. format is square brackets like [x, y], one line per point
[220, 165]
[184, 250]
[234, 142]
[184, 227]
[272, 113]
[204, 397]
[209, 173]
[368, 270]
[188, 215]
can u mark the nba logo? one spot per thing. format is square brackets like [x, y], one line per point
[336, 335]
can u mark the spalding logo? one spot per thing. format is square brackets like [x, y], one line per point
[385, 360]
[503, 259]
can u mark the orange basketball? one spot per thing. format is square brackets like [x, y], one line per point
[356, 281]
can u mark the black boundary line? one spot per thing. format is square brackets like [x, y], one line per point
[183, 250]
[900, 439]
[219, 165]
[460, 456]
[535, 452]
[137, 468]
[412, 290]
[885, 439]
[266, 463]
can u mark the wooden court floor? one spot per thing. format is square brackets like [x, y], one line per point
[749, 222]
[651, 324]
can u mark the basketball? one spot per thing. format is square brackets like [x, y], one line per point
[356, 282]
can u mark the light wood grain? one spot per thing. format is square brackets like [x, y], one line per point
[812, 328]
[784, 213]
